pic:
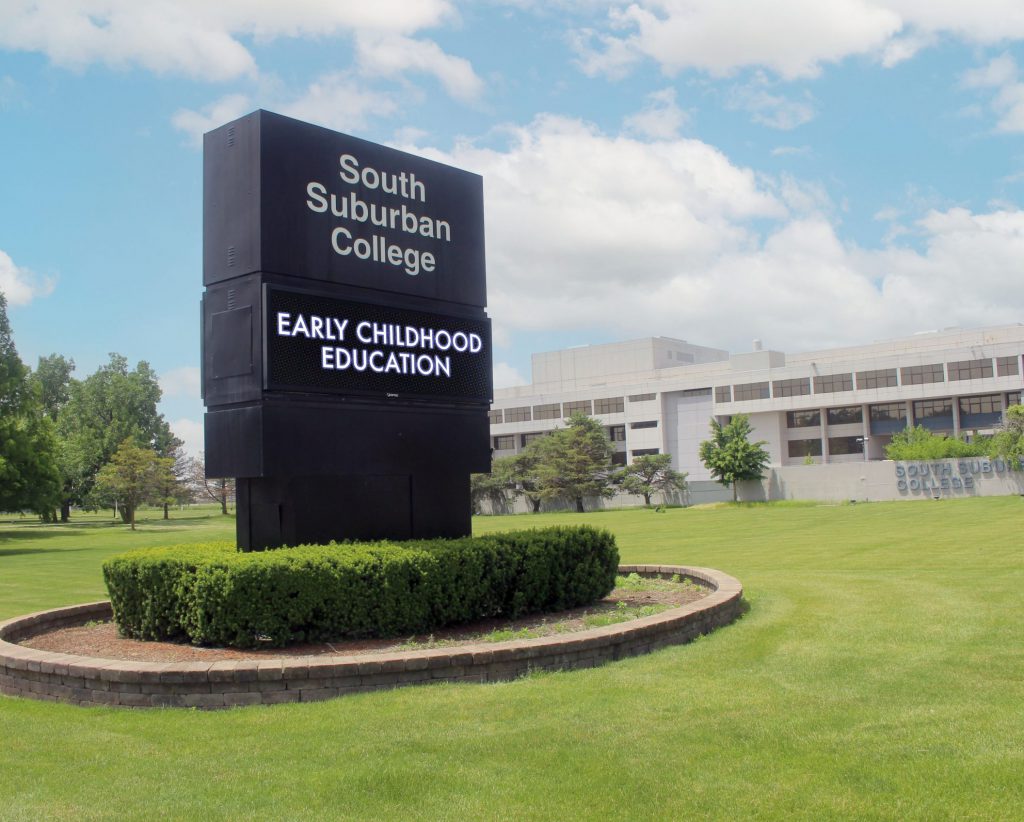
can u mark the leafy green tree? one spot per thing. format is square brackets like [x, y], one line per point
[524, 474]
[102, 411]
[649, 474]
[918, 443]
[1008, 442]
[172, 487]
[53, 379]
[575, 462]
[730, 456]
[134, 475]
[29, 479]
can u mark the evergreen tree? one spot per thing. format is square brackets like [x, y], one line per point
[651, 473]
[730, 456]
[575, 461]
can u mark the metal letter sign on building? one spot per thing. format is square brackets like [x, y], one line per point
[346, 350]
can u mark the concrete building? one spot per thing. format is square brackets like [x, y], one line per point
[657, 395]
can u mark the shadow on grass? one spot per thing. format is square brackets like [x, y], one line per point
[13, 552]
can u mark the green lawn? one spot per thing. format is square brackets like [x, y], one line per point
[879, 674]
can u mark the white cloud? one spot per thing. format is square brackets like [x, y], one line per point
[190, 432]
[335, 101]
[181, 382]
[790, 38]
[194, 37]
[786, 151]
[506, 376]
[1002, 75]
[612, 235]
[196, 123]
[391, 55]
[660, 118]
[19, 285]
[772, 110]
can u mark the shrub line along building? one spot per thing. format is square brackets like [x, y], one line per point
[658, 394]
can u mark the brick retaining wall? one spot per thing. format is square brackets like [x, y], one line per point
[91, 681]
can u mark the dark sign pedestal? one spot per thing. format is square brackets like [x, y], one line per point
[346, 350]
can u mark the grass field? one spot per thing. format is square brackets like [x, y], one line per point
[879, 674]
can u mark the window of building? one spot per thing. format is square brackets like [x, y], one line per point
[609, 405]
[930, 409]
[969, 369]
[619, 458]
[550, 411]
[504, 442]
[884, 378]
[791, 388]
[617, 433]
[644, 424]
[723, 393]
[845, 445]
[696, 392]
[802, 419]
[644, 452]
[751, 391]
[577, 407]
[805, 448]
[830, 383]
[520, 414]
[494, 416]
[987, 404]
[641, 397]
[1007, 366]
[845, 415]
[921, 374]
[888, 411]
[1013, 398]
[526, 439]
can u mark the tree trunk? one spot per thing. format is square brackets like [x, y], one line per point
[647, 500]
[224, 500]
[536, 505]
[166, 515]
[65, 511]
[132, 516]
[579, 505]
[734, 497]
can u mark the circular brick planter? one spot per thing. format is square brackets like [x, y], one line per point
[90, 681]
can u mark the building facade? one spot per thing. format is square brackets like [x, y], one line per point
[657, 395]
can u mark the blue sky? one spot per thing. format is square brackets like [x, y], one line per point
[808, 172]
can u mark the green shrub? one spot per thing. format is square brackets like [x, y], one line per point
[212, 595]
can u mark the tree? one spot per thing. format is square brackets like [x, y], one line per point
[493, 487]
[1008, 442]
[575, 461]
[524, 474]
[173, 487]
[29, 478]
[219, 490]
[918, 443]
[651, 473]
[53, 378]
[730, 456]
[102, 411]
[133, 475]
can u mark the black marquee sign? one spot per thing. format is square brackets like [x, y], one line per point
[346, 350]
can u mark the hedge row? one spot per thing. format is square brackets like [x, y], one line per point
[212, 595]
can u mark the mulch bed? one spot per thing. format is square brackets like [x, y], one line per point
[102, 639]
